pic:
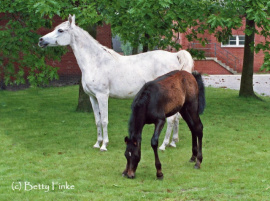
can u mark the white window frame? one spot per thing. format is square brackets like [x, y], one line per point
[237, 42]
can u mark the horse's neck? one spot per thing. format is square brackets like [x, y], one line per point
[87, 50]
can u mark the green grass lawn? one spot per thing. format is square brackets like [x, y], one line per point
[44, 142]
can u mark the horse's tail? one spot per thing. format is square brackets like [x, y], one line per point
[185, 60]
[200, 83]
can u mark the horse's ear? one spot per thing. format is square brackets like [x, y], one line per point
[71, 20]
[126, 139]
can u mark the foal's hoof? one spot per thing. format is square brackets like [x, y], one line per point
[192, 159]
[160, 176]
[196, 166]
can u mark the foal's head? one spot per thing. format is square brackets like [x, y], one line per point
[133, 156]
[60, 36]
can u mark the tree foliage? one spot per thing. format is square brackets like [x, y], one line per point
[152, 23]
[20, 57]
[19, 54]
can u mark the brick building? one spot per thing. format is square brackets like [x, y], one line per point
[224, 58]
[220, 58]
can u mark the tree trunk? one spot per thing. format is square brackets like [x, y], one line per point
[246, 87]
[84, 104]
[145, 46]
[134, 50]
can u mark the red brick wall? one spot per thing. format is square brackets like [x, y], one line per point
[210, 67]
[104, 35]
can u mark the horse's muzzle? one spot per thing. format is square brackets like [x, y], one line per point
[42, 43]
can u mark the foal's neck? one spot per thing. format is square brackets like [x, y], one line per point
[136, 123]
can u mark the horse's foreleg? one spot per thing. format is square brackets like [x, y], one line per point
[175, 130]
[154, 143]
[97, 120]
[103, 107]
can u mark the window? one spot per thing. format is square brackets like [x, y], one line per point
[235, 41]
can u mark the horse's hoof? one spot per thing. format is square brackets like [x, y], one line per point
[96, 146]
[172, 144]
[162, 148]
[103, 149]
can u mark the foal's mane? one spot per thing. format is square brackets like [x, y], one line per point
[142, 97]
[137, 115]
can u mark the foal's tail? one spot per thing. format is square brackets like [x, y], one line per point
[185, 60]
[200, 83]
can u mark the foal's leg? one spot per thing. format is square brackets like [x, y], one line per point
[103, 108]
[154, 143]
[97, 120]
[193, 120]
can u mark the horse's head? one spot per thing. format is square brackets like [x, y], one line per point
[133, 156]
[60, 35]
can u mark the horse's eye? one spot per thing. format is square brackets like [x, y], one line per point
[60, 30]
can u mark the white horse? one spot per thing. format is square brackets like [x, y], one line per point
[106, 73]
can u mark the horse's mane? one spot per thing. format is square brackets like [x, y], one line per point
[87, 36]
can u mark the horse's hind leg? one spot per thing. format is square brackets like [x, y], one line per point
[170, 124]
[154, 143]
[191, 116]
[175, 130]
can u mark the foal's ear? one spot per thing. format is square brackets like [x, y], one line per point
[126, 139]
[134, 141]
